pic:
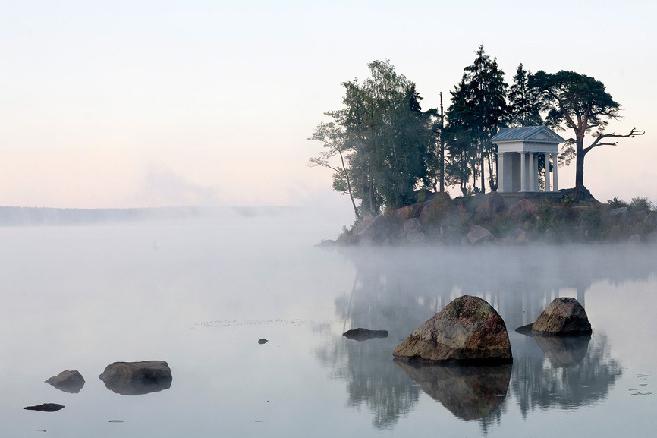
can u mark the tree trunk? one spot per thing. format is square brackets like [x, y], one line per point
[579, 175]
[442, 146]
[351, 194]
[483, 177]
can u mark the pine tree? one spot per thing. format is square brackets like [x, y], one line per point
[478, 110]
[524, 101]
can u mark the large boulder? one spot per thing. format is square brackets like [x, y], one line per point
[523, 210]
[467, 330]
[67, 381]
[563, 317]
[379, 230]
[136, 378]
[489, 206]
[478, 235]
[412, 231]
[436, 209]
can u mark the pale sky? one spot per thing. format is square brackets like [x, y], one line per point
[148, 103]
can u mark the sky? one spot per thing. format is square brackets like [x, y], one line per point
[156, 103]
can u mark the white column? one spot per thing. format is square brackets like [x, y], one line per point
[523, 173]
[530, 174]
[500, 172]
[535, 172]
[547, 172]
[555, 175]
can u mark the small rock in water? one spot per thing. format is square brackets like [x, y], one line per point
[46, 407]
[115, 421]
[137, 378]
[362, 334]
[525, 329]
[262, 341]
[67, 381]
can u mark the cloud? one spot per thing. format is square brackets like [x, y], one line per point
[161, 186]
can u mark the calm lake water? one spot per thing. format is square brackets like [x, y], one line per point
[199, 293]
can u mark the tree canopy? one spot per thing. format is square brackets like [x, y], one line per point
[383, 148]
[384, 140]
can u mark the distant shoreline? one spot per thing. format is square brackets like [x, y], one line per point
[35, 216]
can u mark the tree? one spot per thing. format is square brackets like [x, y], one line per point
[524, 101]
[477, 111]
[382, 138]
[335, 144]
[581, 103]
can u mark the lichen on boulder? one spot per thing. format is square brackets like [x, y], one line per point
[467, 330]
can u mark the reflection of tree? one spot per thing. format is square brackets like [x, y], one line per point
[372, 378]
[397, 289]
[573, 373]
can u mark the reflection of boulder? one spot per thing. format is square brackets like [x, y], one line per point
[467, 330]
[470, 393]
[566, 380]
[67, 381]
[564, 351]
[136, 378]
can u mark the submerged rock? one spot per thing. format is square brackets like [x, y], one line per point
[469, 393]
[467, 330]
[563, 317]
[67, 381]
[137, 378]
[46, 407]
[362, 334]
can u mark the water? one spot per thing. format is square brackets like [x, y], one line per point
[199, 293]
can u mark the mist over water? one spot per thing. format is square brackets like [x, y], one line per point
[198, 292]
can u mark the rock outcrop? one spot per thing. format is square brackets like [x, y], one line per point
[136, 378]
[467, 330]
[412, 231]
[562, 317]
[362, 334]
[67, 381]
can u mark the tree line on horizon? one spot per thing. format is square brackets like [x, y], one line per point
[383, 148]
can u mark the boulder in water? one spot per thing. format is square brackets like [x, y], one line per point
[46, 407]
[362, 334]
[467, 330]
[562, 317]
[136, 378]
[67, 381]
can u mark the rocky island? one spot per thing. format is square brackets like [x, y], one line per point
[506, 218]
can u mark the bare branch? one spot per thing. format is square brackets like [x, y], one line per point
[598, 140]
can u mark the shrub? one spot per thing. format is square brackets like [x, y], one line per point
[617, 203]
[641, 205]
